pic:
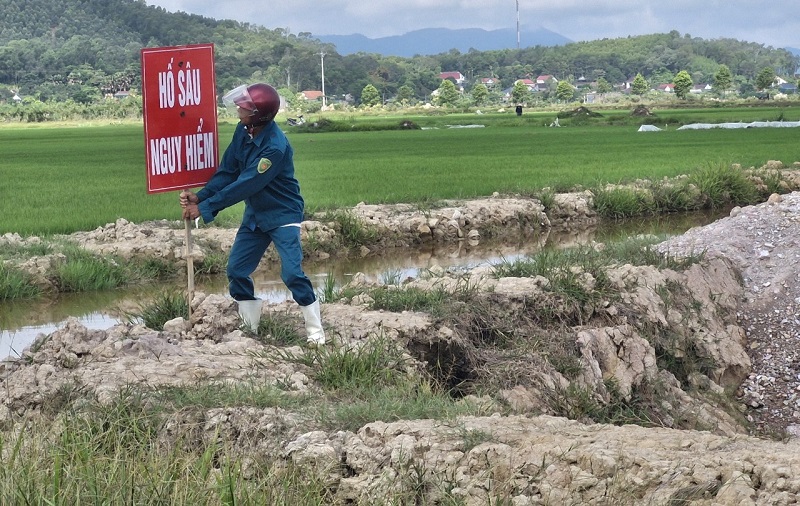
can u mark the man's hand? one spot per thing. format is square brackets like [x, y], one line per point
[190, 211]
[188, 198]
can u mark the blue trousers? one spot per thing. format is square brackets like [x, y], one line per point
[248, 249]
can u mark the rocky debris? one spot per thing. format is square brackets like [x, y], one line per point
[573, 210]
[158, 239]
[546, 460]
[104, 362]
[763, 243]
[400, 225]
[452, 221]
[525, 460]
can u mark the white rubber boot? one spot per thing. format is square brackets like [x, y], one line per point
[311, 314]
[250, 313]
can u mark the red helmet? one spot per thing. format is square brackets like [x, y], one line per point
[261, 99]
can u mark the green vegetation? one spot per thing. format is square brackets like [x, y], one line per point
[713, 186]
[73, 269]
[104, 166]
[163, 308]
[83, 271]
[337, 169]
[683, 83]
[352, 231]
[16, 284]
[359, 369]
[279, 329]
[370, 96]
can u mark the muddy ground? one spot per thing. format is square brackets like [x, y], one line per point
[712, 348]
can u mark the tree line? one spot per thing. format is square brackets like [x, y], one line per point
[80, 51]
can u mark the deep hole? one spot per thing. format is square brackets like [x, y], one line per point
[448, 363]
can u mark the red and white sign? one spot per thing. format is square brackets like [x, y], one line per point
[179, 97]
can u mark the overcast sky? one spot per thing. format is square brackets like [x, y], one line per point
[774, 23]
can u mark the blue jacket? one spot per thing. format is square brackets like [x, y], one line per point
[260, 172]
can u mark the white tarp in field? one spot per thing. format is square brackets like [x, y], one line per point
[754, 124]
[649, 128]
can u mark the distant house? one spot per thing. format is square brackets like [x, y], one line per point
[527, 82]
[456, 77]
[122, 94]
[701, 88]
[544, 82]
[666, 88]
[787, 88]
[626, 86]
[311, 95]
[489, 82]
[582, 82]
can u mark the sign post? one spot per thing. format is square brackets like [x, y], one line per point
[179, 101]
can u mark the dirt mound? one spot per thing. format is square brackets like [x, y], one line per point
[641, 111]
[580, 112]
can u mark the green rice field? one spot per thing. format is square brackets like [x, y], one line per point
[60, 179]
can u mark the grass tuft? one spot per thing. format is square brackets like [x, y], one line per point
[722, 184]
[623, 202]
[358, 368]
[83, 271]
[17, 284]
[352, 232]
[279, 329]
[165, 307]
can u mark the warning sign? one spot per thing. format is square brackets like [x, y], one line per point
[179, 97]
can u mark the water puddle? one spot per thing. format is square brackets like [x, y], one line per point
[22, 321]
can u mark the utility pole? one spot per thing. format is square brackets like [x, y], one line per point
[517, 24]
[322, 64]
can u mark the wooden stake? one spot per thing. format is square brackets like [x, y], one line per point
[189, 268]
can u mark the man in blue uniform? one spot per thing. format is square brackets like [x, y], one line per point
[258, 168]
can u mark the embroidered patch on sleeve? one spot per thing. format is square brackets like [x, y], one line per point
[264, 165]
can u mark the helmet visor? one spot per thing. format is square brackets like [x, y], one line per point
[239, 98]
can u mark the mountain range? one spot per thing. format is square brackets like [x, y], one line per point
[430, 41]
